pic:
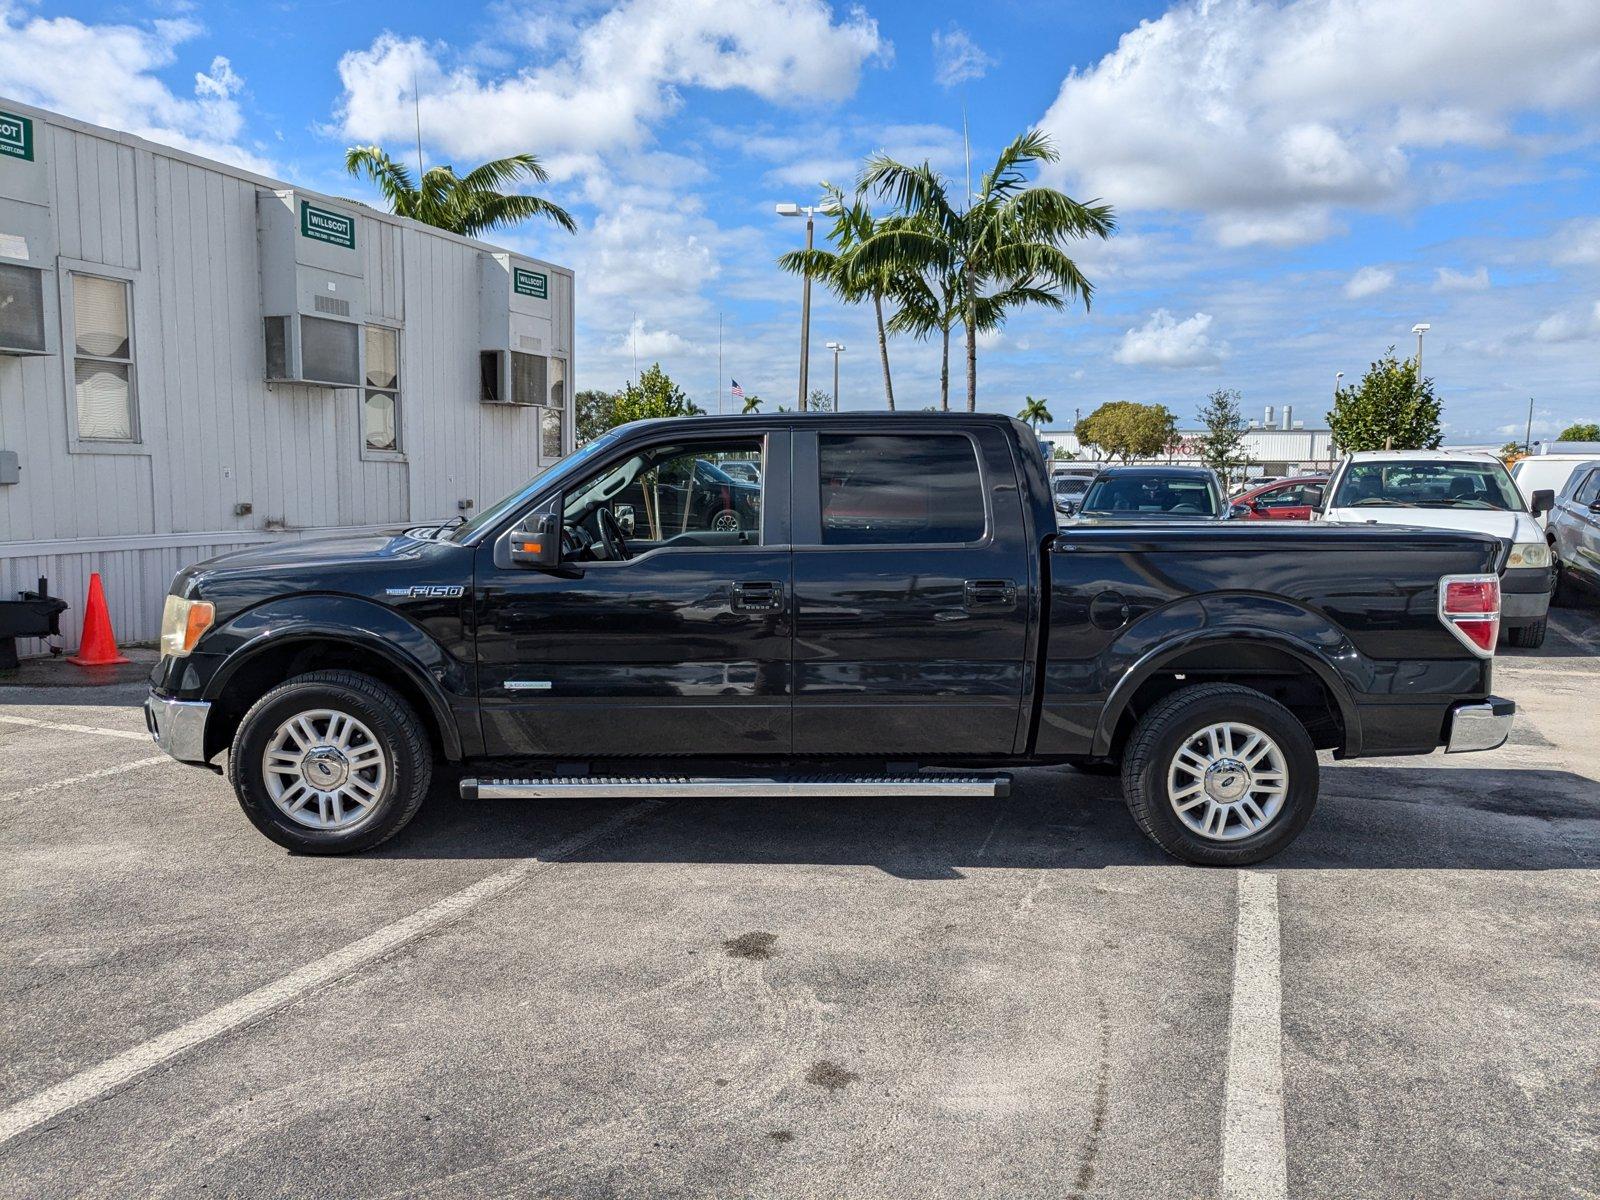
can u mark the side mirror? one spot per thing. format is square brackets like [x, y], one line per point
[1314, 496]
[1543, 501]
[540, 545]
[1237, 511]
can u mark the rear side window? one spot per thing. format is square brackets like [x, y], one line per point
[894, 489]
[1589, 491]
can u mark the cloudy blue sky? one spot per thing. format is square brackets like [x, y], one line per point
[1297, 183]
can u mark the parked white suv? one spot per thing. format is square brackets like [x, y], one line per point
[1449, 489]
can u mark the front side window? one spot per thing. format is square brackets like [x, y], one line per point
[102, 364]
[1292, 496]
[1589, 491]
[898, 489]
[1401, 484]
[673, 494]
[380, 405]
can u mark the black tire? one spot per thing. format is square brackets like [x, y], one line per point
[1565, 594]
[1170, 725]
[1528, 637]
[725, 516]
[395, 727]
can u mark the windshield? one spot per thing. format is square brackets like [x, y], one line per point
[495, 512]
[1390, 484]
[1183, 496]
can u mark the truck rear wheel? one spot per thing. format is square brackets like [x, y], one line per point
[331, 762]
[1220, 775]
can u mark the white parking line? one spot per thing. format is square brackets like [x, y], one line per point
[1253, 1166]
[142, 735]
[76, 779]
[114, 1072]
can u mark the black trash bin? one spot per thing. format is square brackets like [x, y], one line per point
[33, 615]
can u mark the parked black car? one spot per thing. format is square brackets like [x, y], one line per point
[1574, 532]
[902, 597]
[1158, 493]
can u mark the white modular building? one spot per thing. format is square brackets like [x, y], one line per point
[1277, 444]
[194, 358]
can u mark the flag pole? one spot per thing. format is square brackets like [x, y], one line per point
[719, 364]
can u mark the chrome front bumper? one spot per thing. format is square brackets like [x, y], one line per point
[1484, 726]
[178, 726]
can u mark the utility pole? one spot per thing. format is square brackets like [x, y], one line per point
[1527, 441]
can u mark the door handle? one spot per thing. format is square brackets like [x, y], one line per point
[989, 593]
[757, 596]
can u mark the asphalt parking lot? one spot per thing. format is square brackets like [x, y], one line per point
[906, 999]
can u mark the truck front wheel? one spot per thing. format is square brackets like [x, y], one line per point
[330, 762]
[1220, 775]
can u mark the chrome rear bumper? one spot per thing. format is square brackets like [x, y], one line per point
[1483, 726]
[178, 726]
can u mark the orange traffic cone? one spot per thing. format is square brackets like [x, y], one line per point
[99, 645]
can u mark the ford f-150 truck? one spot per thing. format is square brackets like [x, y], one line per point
[895, 596]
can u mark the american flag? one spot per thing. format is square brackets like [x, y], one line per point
[738, 392]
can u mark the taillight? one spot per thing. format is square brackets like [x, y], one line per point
[1469, 606]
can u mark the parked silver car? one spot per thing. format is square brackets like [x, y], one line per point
[1574, 531]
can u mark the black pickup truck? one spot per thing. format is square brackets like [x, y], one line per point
[893, 595]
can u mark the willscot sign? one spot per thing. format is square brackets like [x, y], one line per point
[325, 225]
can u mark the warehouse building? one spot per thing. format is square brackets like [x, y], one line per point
[194, 359]
[1277, 444]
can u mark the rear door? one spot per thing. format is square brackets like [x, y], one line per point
[911, 586]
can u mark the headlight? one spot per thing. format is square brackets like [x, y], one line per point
[182, 623]
[1529, 554]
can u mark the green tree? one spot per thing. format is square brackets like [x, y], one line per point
[1510, 452]
[654, 395]
[1388, 410]
[820, 401]
[595, 412]
[1222, 446]
[1127, 430]
[752, 403]
[1582, 431]
[1006, 238]
[467, 204]
[1062, 454]
[841, 270]
[1035, 412]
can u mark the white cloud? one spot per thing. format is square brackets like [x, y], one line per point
[1241, 109]
[603, 88]
[107, 75]
[1164, 341]
[957, 59]
[1368, 281]
[1568, 326]
[1578, 242]
[1448, 280]
[648, 345]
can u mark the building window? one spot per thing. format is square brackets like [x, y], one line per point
[380, 407]
[552, 421]
[103, 358]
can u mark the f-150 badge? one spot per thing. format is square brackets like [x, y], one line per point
[427, 591]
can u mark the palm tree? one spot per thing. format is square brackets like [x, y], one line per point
[1035, 412]
[467, 204]
[838, 270]
[752, 404]
[1006, 239]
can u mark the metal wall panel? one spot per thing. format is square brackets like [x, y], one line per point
[214, 435]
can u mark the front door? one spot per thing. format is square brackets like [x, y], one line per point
[679, 644]
[912, 580]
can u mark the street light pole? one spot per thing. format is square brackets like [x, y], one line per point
[1419, 329]
[809, 212]
[838, 349]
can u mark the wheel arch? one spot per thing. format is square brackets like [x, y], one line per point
[271, 650]
[1269, 661]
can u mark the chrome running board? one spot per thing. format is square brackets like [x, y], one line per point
[668, 787]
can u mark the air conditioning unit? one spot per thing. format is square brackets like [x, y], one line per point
[517, 330]
[313, 289]
[27, 238]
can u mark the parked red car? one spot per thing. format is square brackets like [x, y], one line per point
[1281, 500]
